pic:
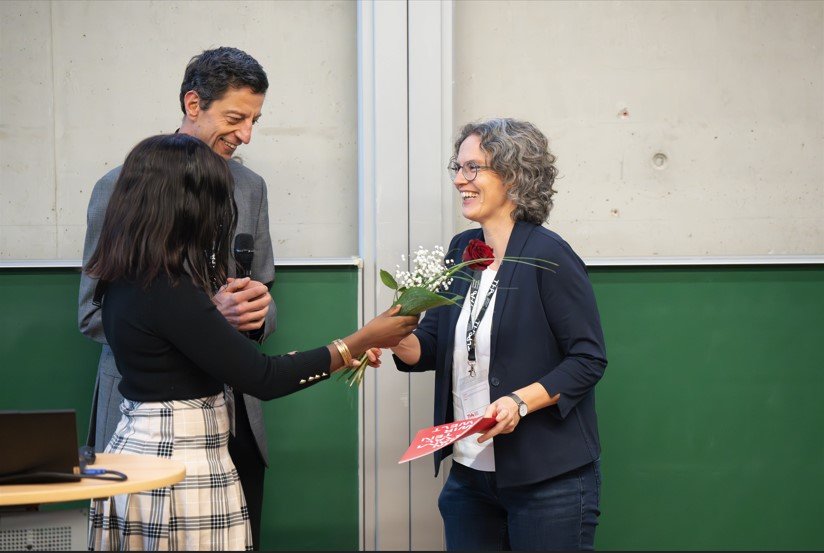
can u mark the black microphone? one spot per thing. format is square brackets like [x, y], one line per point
[244, 253]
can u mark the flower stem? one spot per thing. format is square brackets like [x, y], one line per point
[354, 375]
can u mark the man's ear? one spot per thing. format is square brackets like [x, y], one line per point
[191, 101]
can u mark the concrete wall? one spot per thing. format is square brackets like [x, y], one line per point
[83, 82]
[731, 93]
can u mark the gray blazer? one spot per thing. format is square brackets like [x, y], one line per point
[253, 218]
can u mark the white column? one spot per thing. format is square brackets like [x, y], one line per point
[404, 141]
[431, 222]
[384, 236]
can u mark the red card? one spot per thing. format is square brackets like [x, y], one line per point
[437, 437]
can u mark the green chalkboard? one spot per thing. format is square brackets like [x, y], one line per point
[45, 363]
[710, 411]
[711, 422]
[313, 435]
[311, 498]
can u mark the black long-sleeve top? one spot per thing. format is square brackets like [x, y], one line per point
[170, 342]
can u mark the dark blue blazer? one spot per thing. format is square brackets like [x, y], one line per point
[545, 328]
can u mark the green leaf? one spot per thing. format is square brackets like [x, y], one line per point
[416, 300]
[387, 279]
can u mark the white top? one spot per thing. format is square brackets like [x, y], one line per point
[470, 395]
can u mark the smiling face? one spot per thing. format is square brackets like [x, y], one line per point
[227, 123]
[484, 200]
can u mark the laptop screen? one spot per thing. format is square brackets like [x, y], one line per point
[38, 447]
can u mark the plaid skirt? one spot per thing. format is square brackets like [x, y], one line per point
[205, 511]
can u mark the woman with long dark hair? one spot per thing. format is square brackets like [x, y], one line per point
[161, 257]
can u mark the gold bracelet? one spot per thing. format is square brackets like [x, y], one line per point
[343, 349]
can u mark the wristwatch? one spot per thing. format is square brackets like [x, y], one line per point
[522, 408]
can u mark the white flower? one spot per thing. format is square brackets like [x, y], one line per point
[428, 270]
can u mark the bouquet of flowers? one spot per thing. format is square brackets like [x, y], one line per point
[426, 286]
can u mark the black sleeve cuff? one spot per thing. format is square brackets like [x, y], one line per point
[257, 335]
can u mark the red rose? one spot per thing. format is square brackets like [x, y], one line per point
[477, 249]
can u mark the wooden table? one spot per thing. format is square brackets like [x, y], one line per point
[144, 473]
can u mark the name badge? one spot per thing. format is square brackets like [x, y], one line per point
[475, 399]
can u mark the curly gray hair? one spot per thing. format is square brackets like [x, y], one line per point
[519, 154]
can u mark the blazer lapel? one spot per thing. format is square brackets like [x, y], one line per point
[516, 244]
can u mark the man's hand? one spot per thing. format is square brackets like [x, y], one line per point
[243, 302]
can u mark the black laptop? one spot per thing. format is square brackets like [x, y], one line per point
[38, 447]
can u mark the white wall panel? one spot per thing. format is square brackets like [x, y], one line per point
[430, 213]
[731, 92]
[384, 236]
[117, 69]
[28, 206]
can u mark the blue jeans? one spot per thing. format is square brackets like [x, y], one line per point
[560, 513]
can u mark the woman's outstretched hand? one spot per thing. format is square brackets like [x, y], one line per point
[388, 329]
[384, 331]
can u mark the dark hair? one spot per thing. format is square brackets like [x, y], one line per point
[172, 211]
[519, 153]
[213, 72]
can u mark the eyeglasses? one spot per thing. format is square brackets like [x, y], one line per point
[469, 169]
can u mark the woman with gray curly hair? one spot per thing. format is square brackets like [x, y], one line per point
[526, 349]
